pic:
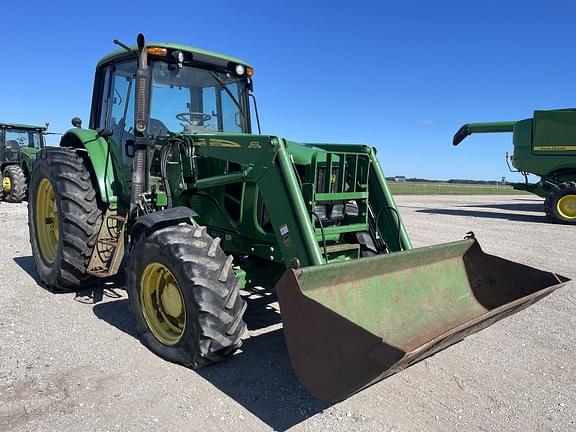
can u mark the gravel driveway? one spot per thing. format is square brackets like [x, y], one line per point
[70, 366]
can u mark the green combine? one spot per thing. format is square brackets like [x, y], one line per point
[545, 146]
[170, 174]
[19, 145]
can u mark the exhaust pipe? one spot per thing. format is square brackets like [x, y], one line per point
[139, 179]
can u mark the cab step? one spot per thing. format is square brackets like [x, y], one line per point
[109, 249]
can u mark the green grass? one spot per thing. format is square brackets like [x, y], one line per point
[409, 188]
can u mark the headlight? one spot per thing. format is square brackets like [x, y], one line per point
[351, 209]
[321, 210]
[332, 212]
[240, 69]
[337, 212]
[179, 57]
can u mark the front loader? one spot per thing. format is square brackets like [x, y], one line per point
[170, 174]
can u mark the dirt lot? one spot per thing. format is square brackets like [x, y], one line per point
[69, 366]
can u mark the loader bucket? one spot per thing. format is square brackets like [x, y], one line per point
[351, 324]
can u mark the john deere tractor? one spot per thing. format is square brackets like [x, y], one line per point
[19, 145]
[545, 146]
[170, 174]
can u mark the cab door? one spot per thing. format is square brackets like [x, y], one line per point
[116, 111]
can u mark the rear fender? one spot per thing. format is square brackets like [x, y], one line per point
[102, 161]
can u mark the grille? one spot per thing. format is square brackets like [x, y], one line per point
[321, 180]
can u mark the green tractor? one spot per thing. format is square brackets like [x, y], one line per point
[170, 175]
[544, 145]
[19, 145]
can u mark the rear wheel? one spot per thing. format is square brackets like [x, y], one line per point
[560, 204]
[184, 296]
[63, 218]
[13, 184]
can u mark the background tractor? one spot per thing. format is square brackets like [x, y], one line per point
[19, 145]
[170, 174]
[544, 145]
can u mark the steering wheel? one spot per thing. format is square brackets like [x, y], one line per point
[194, 118]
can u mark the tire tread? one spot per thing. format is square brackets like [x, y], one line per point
[552, 198]
[218, 305]
[19, 185]
[80, 216]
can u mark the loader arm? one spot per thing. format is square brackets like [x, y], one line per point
[488, 127]
[267, 164]
[350, 323]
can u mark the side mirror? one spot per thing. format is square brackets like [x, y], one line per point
[103, 132]
[77, 122]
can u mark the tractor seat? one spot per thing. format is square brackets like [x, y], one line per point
[12, 144]
[11, 151]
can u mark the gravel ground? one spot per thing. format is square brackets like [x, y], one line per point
[69, 366]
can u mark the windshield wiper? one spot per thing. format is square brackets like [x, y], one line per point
[223, 85]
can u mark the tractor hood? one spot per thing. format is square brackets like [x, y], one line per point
[304, 153]
[301, 153]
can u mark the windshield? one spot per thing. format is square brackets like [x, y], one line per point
[22, 138]
[191, 99]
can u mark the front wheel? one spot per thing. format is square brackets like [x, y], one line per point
[13, 184]
[560, 204]
[184, 296]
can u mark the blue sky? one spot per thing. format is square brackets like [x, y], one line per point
[399, 75]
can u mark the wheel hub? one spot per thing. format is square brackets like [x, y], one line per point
[47, 221]
[567, 206]
[6, 184]
[162, 303]
[171, 300]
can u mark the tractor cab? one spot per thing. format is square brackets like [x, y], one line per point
[13, 137]
[189, 91]
[19, 145]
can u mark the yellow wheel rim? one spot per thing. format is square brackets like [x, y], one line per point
[6, 184]
[162, 304]
[567, 206]
[47, 221]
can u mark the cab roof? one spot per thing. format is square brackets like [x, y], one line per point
[20, 126]
[173, 46]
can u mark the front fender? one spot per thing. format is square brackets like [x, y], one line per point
[103, 161]
[161, 219]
